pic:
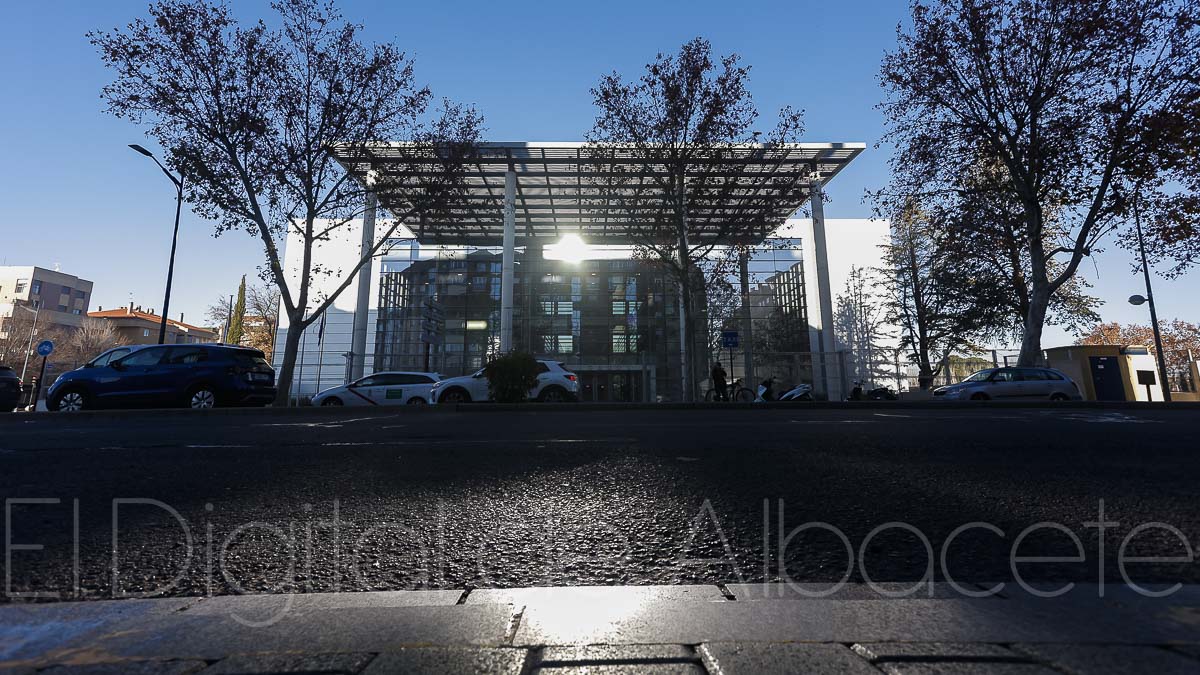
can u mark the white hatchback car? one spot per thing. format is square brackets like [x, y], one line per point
[555, 384]
[387, 388]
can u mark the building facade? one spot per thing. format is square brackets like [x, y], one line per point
[136, 326]
[611, 318]
[62, 299]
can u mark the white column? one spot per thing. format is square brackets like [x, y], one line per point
[362, 307]
[507, 261]
[831, 373]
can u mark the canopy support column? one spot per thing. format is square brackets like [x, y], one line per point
[747, 321]
[508, 259]
[362, 307]
[826, 343]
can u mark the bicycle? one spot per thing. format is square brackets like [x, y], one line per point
[736, 391]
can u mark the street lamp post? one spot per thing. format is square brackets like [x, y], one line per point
[1149, 299]
[166, 309]
[37, 309]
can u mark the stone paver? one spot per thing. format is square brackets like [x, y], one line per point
[848, 591]
[627, 669]
[594, 595]
[1106, 659]
[437, 660]
[734, 658]
[885, 651]
[263, 607]
[964, 668]
[846, 621]
[31, 631]
[264, 664]
[130, 668]
[554, 656]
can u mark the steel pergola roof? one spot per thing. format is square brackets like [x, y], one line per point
[601, 193]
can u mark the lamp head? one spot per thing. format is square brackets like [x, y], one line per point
[142, 150]
[1136, 300]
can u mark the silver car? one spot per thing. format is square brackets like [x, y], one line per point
[388, 388]
[1012, 384]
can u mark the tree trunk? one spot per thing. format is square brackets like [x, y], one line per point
[689, 348]
[287, 368]
[1035, 320]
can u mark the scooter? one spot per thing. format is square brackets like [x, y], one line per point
[801, 392]
[882, 394]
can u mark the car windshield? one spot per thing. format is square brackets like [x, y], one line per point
[980, 376]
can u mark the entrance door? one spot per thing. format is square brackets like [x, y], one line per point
[1106, 378]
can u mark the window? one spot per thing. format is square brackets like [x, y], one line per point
[1051, 375]
[63, 308]
[145, 332]
[186, 355]
[145, 357]
[22, 284]
[79, 294]
[113, 355]
[413, 379]
[369, 381]
[1004, 375]
[36, 288]
[1031, 374]
[77, 312]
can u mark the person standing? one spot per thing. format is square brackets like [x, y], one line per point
[718, 380]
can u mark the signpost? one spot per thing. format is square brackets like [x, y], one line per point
[45, 348]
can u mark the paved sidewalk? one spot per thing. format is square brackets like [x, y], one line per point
[654, 629]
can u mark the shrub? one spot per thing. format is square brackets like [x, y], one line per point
[510, 377]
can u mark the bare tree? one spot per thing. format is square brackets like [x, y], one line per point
[860, 326]
[92, 337]
[249, 115]
[1076, 102]
[682, 131]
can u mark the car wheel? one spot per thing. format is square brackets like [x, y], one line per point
[331, 401]
[710, 395]
[979, 397]
[553, 395]
[455, 396]
[71, 400]
[1058, 396]
[417, 400]
[201, 398]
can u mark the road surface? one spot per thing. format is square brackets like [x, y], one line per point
[357, 499]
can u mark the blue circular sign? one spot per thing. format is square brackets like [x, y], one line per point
[45, 347]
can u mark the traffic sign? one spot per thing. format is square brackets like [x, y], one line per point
[729, 339]
[45, 348]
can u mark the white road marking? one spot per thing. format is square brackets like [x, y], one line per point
[218, 446]
[889, 415]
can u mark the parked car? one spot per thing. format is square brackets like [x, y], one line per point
[196, 376]
[1007, 384]
[388, 388]
[10, 389]
[554, 384]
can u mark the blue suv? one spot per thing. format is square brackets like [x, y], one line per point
[194, 376]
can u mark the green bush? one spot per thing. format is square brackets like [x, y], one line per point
[510, 377]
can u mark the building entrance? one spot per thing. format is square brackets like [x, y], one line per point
[611, 387]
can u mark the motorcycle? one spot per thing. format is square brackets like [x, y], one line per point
[801, 392]
[766, 391]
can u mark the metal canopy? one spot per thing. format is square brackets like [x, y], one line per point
[746, 192]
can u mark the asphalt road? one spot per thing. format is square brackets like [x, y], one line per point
[353, 499]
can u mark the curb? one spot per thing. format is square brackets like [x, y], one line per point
[829, 405]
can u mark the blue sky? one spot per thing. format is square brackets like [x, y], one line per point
[75, 195]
